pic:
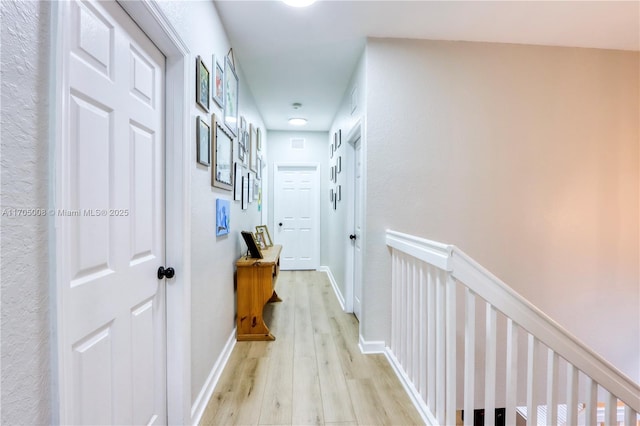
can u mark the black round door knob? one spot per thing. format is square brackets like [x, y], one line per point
[280, 224]
[352, 237]
[165, 273]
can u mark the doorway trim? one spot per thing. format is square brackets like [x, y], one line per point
[154, 23]
[355, 134]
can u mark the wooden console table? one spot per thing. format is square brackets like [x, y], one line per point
[256, 288]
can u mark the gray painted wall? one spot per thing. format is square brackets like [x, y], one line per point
[26, 317]
[525, 157]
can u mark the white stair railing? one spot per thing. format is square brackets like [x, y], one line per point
[436, 290]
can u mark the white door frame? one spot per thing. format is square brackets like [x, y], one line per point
[355, 134]
[318, 170]
[150, 18]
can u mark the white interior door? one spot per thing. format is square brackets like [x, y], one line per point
[296, 212]
[111, 221]
[357, 242]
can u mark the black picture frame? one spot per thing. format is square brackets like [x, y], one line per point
[252, 245]
[203, 83]
[203, 142]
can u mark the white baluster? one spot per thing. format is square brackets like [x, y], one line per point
[415, 340]
[440, 348]
[423, 333]
[451, 357]
[408, 312]
[512, 372]
[552, 373]
[532, 407]
[630, 416]
[431, 338]
[403, 315]
[591, 409]
[394, 301]
[469, 356]
[611, 410]
[572, 395]
[490, 367]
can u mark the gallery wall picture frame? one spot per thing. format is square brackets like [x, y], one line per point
[265, 230]
[252, 244]
[256, 189]
[245, 191]
[335, 174]
[259, 139]
[237, 181]
[223, 211]
[331, 150]
[339, 192]
[203, 145]
[331, 172]
[230, 97]
[259, 169]
[339, 164]
[251, 179]
[260, 240]
[202, 84]
[253, 148]
[331, 195]
[339, 138]
[222, 170]
[217, 91]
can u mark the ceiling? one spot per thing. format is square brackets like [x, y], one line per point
[308, 55]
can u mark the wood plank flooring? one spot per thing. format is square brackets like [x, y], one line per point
[313, 373]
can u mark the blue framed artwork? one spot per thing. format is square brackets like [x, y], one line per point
[222, 216]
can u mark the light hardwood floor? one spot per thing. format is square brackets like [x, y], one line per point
[313, 373]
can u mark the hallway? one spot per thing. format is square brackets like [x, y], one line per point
[313, 373]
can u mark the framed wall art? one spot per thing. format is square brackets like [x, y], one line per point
[203, 137]
[237, 181]
[223, 209]
[253, 148]
[222, 170]
[267, 236]
[217, 93]
[259, 139]
[230, 97]
[202, 84]
[245, 191]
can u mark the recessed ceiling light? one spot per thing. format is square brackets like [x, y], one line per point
[298, 121]
[299, 3]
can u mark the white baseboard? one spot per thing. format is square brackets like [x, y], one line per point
[413, 393]
[334, 284]
[370, 347]
[197, 410]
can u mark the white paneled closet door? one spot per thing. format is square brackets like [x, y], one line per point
[111, 307]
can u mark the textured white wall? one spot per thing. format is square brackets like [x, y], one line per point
[213, 258]
[525, 157]
[26, 367]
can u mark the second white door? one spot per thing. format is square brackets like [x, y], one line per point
[296, 213]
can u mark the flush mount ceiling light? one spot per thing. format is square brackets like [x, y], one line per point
[298, 121]
[299, 3]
